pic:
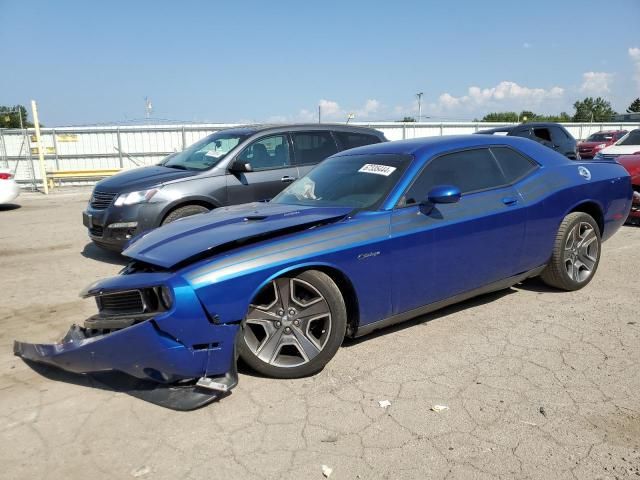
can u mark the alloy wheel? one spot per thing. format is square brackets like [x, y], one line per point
[288, 324]
[581, 252]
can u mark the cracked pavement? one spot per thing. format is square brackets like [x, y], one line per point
[540, 384]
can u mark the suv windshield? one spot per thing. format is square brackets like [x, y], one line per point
[358, 181]
[631, 138]
[600, 137]
[205, 153]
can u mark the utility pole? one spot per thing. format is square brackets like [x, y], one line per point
[43, 172]
[319, 114]
[419, 95]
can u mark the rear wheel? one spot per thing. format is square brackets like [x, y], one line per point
[185, 211]
[576, 253]
[294, 326]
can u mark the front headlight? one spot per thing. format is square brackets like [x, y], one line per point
[132, 198]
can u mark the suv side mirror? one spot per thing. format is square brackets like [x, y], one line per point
[444, 194]
[240, 166]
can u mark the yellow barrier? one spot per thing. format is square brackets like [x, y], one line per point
[53, 175]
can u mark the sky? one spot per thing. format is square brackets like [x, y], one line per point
[89, 63]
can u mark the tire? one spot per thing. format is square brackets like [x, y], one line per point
[576, 253]
[182, 212]
[294, 326]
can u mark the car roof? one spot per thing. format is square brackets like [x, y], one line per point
[430, 146]
[508, 128]
[611, 131]
[260, 128]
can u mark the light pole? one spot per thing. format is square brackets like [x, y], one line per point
[419, 95]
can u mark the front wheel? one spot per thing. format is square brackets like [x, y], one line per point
[576, 253]
[294, 326]
[183, 212]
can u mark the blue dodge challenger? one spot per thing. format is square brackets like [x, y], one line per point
[370, 237]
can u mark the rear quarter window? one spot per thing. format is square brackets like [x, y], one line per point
[349, 140]
[513, 164]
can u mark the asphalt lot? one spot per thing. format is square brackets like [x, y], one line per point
[538, 384]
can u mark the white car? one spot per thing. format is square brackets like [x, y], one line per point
[627, 145]
[9, 189]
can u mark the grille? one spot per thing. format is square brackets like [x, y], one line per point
[121, 303]
[101, 200]
[96, 231]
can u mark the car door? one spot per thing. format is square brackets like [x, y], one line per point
[311, 147]
[448, 249]
[271, 170]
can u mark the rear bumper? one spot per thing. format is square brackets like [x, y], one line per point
[634, 214]
[9, 190]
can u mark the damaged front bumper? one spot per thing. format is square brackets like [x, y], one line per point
[166, 351]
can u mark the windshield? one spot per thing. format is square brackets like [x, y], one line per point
[600, 137]
[358, 181]
[631, 138]
[205, 153]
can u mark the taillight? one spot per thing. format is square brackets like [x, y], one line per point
[5, 176]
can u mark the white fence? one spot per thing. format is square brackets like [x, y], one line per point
[81, 148]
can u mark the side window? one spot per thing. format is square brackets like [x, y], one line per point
[469, 170]
[559, 135]
[313, 147]
[514, 166]
[352, 140]
[521, 132]
[541, 135]
[267, 153]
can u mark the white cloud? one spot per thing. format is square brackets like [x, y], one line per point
[634, 53]
[504, 95]
[596, 83]
[333, 111]
[329, 108]
[371, 106]
[526, 45]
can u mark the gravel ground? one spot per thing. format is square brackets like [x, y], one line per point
[538, 384]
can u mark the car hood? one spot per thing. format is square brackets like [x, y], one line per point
[143, 177]
[222, 229]
[620, 150]
[590, 144]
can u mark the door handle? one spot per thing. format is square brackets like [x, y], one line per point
[287, 179]
[509, 201]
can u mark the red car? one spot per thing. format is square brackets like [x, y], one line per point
[598, 141]
[632, 164]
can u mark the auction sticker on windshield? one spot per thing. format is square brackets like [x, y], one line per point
[385, 170]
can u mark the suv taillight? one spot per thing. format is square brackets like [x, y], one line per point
[5, 176]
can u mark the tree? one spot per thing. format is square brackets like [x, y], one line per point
[634, 107]
[593, 110]
[10, 116]
[524, 117]
[407, 119]
[506, 117]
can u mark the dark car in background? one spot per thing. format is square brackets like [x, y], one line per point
[228, 167]
[599, 140]
[552, 135]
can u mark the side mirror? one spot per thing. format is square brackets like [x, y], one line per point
[444, 194]
[240, 166]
